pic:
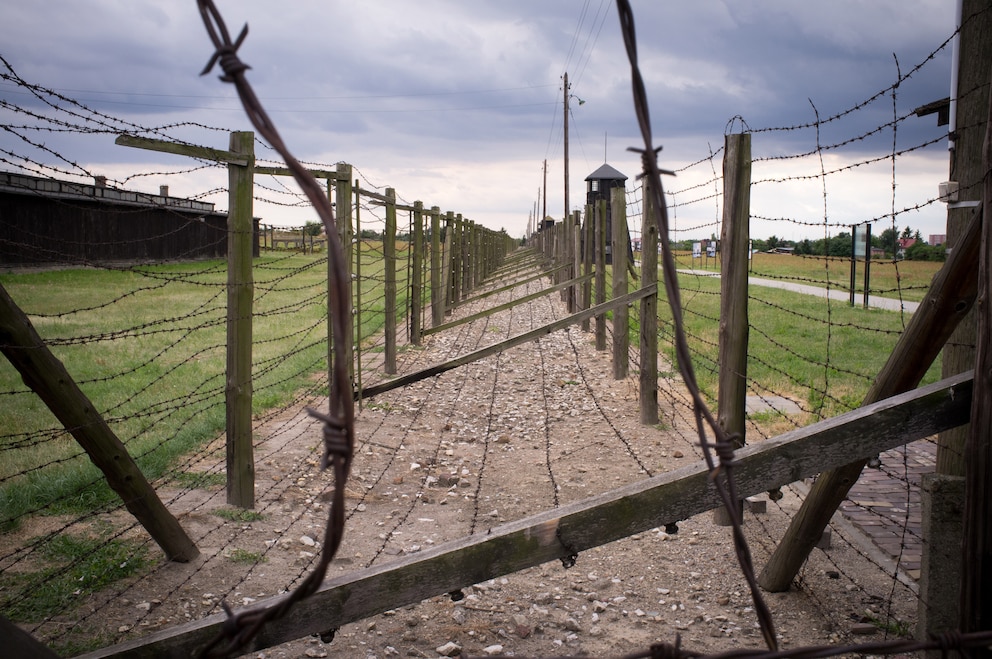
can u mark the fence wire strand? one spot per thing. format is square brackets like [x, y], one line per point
[338, 431]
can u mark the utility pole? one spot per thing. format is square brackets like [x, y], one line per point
[565, 87]
[544, 214]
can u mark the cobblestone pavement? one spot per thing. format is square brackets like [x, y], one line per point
[885, 503]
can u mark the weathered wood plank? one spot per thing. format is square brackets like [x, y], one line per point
[589, 523]
[204, 152]
[410, 378]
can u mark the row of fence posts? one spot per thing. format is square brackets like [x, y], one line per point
[573, 246]
[574, 253]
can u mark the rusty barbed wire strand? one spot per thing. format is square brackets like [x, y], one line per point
[723, 444]
[338, 428]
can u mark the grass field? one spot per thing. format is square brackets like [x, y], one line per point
[148, 347]
[906, 280]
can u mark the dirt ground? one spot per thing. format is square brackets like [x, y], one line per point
[532, 428]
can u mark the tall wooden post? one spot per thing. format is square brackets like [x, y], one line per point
[600, 215]
[416, 277]
[343, 219]
[733, 331]
[449, 261]
[621, 315]
[389, 280]
[240, 291]
[437, 292]
[648, 380]
[976, 564]
[588, 249]
[944, 491]
[575, 227]
[356, 316]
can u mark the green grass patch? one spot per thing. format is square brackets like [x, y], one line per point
[245, 556]
[148, 347]
[73, 566]
[239, 514]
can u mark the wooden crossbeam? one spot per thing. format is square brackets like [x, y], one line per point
[582, 525]
[410, 378]
[506, 305]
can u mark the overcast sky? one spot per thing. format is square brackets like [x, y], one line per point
[458, 103]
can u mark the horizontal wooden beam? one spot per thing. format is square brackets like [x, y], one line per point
[506, 305]
[410, 378]
[189, 150]
[579, 526]
[316, 173]
[501, 289]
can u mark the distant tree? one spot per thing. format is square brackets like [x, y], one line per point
[772, 242]
[840, 245]
[920, 251]
[804, 247]
[907, 233]
[887, 240]
[312, 228]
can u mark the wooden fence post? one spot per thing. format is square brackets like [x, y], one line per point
[648, 380]
[343, 219]
[449, 261]
[600, 215]
[356, 311]
[437, 292]
[389, 276]
[416, 276]
[621, 315]
[976, 566]
[588, 249]
[240, 291]
[733, 330]
[575, 227]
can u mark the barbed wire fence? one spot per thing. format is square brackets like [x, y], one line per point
[291, 274]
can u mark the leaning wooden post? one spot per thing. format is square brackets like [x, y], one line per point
[733, 330]
[48, 377]
[648, 380]
[343, 219]
[947, 301]
[600, 215]
[416, 277]
[437, 293]
[389, 277]
[240, 291]
[621, 315]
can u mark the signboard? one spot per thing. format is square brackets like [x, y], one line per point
[697, 250]
[711, 249]
[862, 233]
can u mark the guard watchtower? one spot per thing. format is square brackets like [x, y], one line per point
[599, 185]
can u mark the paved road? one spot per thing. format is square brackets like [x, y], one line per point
[875, 301]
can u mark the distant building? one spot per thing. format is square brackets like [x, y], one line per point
[598, 187]
[937, 238]
[51, 222]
